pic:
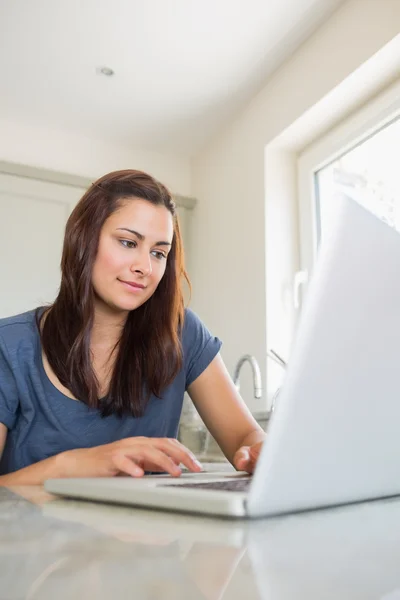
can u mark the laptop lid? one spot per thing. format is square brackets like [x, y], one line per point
[334, 435]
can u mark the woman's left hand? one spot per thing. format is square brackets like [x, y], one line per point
[246, 457]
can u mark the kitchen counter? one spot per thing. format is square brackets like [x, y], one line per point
[57, 549]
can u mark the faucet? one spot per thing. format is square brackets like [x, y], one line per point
[256, 374]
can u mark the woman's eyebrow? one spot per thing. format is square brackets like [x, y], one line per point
[141, 237]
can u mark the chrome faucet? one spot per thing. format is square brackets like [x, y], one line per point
[257, 385]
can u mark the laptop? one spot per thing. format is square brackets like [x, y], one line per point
[333, 437]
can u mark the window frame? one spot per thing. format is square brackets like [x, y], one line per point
[361, 125]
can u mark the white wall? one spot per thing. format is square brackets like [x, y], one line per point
[71, 153]
[228, 264]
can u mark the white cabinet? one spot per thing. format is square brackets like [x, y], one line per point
[33, 215]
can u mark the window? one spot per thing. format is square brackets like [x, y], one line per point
[360, 158]
[369, 173]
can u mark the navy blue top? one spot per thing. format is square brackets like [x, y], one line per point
[42, 421]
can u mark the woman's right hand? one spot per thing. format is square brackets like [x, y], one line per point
[130, 456]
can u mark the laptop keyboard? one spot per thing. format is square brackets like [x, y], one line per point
[231, 485]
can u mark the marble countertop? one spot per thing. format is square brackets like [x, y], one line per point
[60, 549]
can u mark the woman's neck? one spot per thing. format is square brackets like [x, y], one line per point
[107, 327]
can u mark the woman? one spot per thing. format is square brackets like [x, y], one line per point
[93, 385]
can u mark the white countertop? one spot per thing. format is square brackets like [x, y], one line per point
[53, 549]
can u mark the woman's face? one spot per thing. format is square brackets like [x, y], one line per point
[132, 254]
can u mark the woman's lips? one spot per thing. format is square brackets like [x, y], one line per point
[132, 286]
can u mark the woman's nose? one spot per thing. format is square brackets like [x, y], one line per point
[142, 264]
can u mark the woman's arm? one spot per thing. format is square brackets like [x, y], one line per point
[223, 411]
[3, 437]
[130, 456]
[34, 474]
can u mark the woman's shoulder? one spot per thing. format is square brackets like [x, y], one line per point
[199, 346]
[194, 330]
[190, 317]
[18, 328]
[192, 323]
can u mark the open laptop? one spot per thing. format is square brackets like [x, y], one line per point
[334, 435]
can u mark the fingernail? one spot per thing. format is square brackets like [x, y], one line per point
[197, 463]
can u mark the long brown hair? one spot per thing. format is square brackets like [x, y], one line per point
[149, 353]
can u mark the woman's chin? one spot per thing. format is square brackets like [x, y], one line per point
[127, 306]
[117, 305]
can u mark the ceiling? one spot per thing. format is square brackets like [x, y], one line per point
[183, 68]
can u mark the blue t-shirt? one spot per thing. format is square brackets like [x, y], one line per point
[42, 421]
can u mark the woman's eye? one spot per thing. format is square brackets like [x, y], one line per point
[159, 255]
[128, 243]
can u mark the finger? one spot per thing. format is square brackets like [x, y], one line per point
[151, 467]
[127, 465]
[170, 446]
[179, 454]
[255, 451]
[249, 468]
[242, 459]
[152, 456]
